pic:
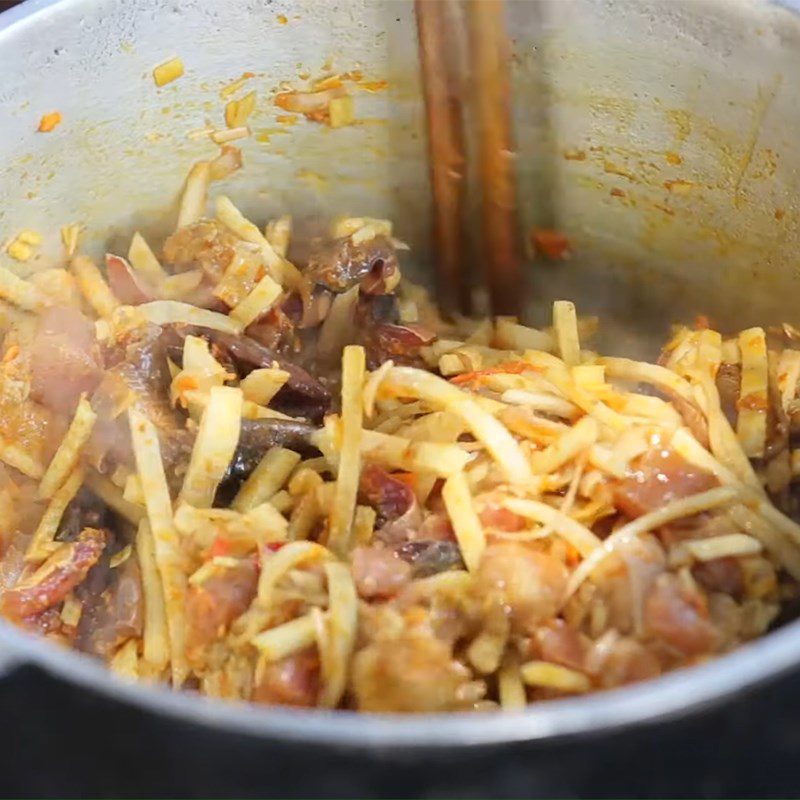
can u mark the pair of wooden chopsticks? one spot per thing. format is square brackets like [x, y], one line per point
[443, 85]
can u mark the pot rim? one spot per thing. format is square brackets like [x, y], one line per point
[661, 699]
[666, 697]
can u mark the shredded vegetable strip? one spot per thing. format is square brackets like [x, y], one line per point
[195, 195]
[21, 293]
[258, 302]
[399, 452]
[341, 624]
[626, 369]
[373, 382]
[13, 455]
[554, 676]
[144, 260]
[469, 531]
[282, 641]
[565, 323]
[574, 441]
[498, 441]
[214, 447]
[683, 507]
[734, 544]
[171, 312]
[167, 547]
[93, 286]
[261, 385]
[266, 479]
[44, 536]
[278, 233]
[725, 445]
[751, 424]
[282, 270]
[287, 558]
[110, 494]
[510, 685]
[341, 516]
[579, 536]
[155, 636]
[69, 451]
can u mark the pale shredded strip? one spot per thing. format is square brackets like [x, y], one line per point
[338, 329]
[341, 515]
[553, 676]
[167, 545]
[498, 441]
[258, 302]
[510, 335]
[341, 628]
[626, 369]
[399, 452]
[125, 662]
[283, 640]
[565, 324]
[751, 423]
[214, 446]
[155, 635]
[278, 232]
[282, 501]
[468, 529]
[69, 451]
[261, 385]
[541, 401]
[781, 548]
[13, 455]
[788, 376]
[181, 284]
[21, 293]
[195, 195]
[110, 494]
[144, 260]
[724, 443]
[171, 312]
[363, 525]
[685, 444]
[733, 544]
[266, 479]
[240, 275]
[509, 684]
[677, 509]
[43, 539]
[263, 523]
[279, 563]
[305, 515]
[93, 286]
[72, 610]
[282, 270]
[372, 385]
[579, 536]
[574, 441]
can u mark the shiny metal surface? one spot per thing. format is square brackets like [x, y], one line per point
[658, 135]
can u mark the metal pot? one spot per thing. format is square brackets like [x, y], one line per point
[657, 135]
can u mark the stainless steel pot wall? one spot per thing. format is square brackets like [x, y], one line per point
[658, 135]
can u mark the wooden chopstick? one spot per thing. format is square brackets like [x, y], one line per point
[442, 87]
[489, 54]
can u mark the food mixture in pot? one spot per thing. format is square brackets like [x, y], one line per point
[286, 479]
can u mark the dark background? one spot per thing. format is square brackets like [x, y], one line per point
[56, 741]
